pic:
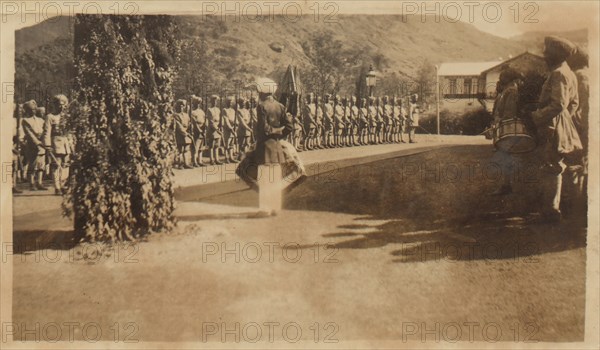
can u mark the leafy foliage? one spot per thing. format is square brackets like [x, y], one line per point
[121, 176]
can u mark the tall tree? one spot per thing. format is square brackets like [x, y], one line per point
[121, 185]
[325, 55]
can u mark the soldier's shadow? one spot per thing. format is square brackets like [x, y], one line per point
[503, 237]
[429, 220]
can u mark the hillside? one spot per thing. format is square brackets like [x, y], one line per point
[535, 40]
[246, 49]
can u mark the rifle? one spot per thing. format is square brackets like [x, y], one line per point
[335, 104]
[221, 119]
[253, 120]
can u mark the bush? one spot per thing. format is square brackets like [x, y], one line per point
[469, 123]
[121, 186]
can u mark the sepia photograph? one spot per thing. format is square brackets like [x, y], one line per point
[299, 174]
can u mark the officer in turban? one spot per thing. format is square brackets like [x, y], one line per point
[558, 139]
[274, 164]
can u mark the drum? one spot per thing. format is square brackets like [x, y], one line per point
[512, 136]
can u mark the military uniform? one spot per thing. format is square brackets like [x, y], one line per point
[244, 130]
[372, 117]
[328, 115]
[413, 118]
[388, 121]
[198, 127]
[183, 138]
[309, 118]
[557, 135]
[398, 117]
[229, 129]
[363, 123]
[34, 151]
[338, 120]
[213, 130]
[272, 153]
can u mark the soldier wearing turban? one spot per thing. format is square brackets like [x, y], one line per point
[274, 164]
[34, 150]
[558, 139]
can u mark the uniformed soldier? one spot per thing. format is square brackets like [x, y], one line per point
[579, 63]
[273, 164]
[41, 113]
[372, 117]
[198, 126]
[388, 120]
[244, 130]
[213, 130]
[413, 117]
[183, 138]
[506, 107]
[309, 118]
[338, 121]
[34, 150]
[252, 110]
[557, 136]
[350, 117]
[298, 132]
[320, 132]
[399, 120]
[379, 133]
[57, 141]
[328, 115]
[18, 136]
[229, 126]
[363, 122]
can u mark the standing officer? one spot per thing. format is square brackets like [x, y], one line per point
[579, 63]
[182, 132]
[198, 125]
[274, 164]
[372, 117]
[57, 142]
[388, 120]
[557, 136]
[229, 126]
[244, 130]
[363, 122]
[399, 117]
[328, 115]
[310, 122]
[413, 118]
[352, 122]
[213, 129]
[320, 128]
[34, 150]
[338, 120]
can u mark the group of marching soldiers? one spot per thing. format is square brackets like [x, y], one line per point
[225, 128]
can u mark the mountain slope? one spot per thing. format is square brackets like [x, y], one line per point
[264, 47]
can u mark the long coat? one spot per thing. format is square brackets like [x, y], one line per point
[273, 126]
[558, 102]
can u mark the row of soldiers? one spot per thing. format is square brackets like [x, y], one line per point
[226, 128]
[41, 144]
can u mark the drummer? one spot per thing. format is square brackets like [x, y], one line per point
[506, 107]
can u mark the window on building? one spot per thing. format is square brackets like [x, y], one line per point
[467, 87]
[452, 86]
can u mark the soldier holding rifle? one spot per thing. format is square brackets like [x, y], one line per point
[213, 129]
[310, 122]
[244, 130]
[338, 121]
[229, 125]
[198, 125]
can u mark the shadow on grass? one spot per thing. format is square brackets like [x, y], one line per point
[26, 241]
